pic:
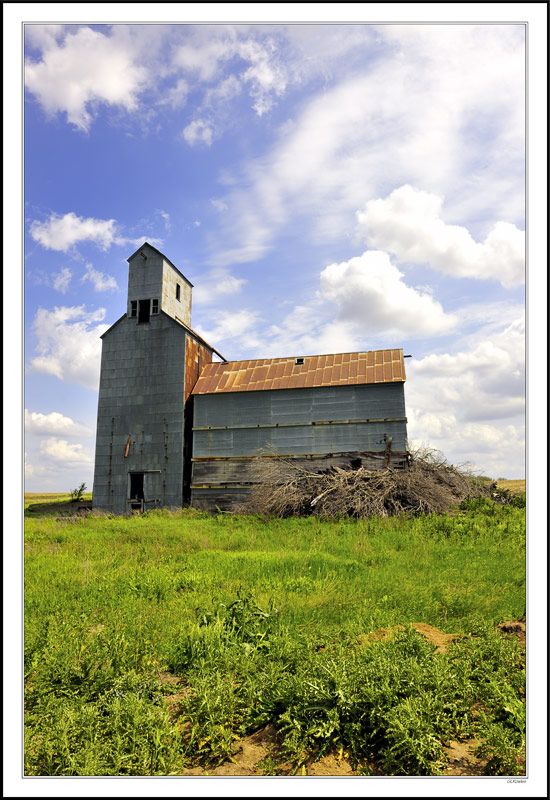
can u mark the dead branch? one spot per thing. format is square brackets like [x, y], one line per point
[284, 488]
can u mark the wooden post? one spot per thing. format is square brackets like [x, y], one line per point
[388, 452]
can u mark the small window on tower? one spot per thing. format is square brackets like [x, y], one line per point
[178, 289]
[154, 305]
[133, 308]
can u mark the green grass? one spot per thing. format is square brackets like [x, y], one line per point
[260, 619]
[52, 503]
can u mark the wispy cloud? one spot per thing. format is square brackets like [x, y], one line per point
[99, 280]
[218, 283]
[199, 131]
[62, 280]
[231, 325]
[412, 116]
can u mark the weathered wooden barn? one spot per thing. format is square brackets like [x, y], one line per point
[345, 408]
[175, 427]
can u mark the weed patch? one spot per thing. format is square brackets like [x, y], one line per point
[155, 645]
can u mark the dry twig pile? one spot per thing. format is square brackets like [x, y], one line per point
[285, 488]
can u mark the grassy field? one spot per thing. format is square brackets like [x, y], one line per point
[154, 644]
[513, 486]
[44, 503]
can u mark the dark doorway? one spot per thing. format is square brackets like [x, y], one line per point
[144, 310]
[136, 486]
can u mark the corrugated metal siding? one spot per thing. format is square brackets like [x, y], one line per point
[340, 423]
[301, 405]
[141, 396]
[196, 357]
[316, 439]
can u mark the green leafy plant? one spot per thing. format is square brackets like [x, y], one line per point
[76, 494]
[270, 624]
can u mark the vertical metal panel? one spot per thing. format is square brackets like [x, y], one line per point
[320, 404]
[196, 356]
[142, 390]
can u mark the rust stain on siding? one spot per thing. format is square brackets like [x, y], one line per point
[197, 356]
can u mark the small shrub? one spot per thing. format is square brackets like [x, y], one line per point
[76, 494]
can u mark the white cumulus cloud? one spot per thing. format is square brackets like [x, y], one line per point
[369, 292]
[68, 344]
[485, 381]
[85, 69]
[62, 232]
[471, 404]
[409, 224]
[61, 452]
[489, 449]
[54, 424]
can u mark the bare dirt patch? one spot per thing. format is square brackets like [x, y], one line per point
[330, 765]
[257, 754]
[462, 760]
[438, 638]
[514, 627]
[260, 753]
[177, 691]
[248, 755]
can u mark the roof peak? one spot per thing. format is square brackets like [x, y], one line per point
[162, 255]
[315, 355]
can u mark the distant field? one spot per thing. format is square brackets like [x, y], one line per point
[44, 497]
[513, 486]
[54, 504]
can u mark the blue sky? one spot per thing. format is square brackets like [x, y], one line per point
[325, 188]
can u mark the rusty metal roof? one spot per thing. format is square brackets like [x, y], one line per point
[339, 369]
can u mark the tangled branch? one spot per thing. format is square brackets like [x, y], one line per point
[284, 488]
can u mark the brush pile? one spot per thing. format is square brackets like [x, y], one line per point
[284, 488]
